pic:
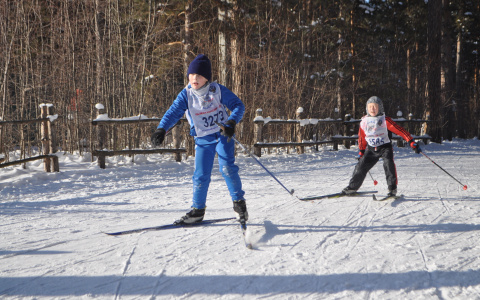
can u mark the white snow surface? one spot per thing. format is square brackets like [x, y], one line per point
[424, 246]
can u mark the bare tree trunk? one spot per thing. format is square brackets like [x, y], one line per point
[7, 56]
[223, 17]
[235, 52]
[187, 58]
[476, 99]
[338, 84]
[187, 44]
[99, 54]
[434, 105]
[461, 104]
[353, 54]
[447, 81]
[150, 25]
[123, 82]
[409, 80]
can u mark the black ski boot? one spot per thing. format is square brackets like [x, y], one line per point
[240, 208]
[392, 190]
[193, 216]
[348, 191]
[392, 193]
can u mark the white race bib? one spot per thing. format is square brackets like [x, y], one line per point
[205, 111]
[376, 132]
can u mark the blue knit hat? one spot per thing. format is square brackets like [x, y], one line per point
[201, 65]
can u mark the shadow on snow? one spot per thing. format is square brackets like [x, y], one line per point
[234, 284]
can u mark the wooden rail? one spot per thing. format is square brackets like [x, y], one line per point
[103, 120]
[52, 157]
[346, 124]
[21, 122]
[49, 147]
[101, 154]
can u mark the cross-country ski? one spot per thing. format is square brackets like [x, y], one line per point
[169, 226]
[388, 197]
[337, 195]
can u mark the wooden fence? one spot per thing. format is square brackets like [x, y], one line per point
[50, 160]
[342, 132]
[340, 136]
[102, 122]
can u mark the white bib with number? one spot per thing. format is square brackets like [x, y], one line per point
[205, 111]
[376, 132]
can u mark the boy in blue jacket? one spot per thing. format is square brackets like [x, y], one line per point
[205, 103]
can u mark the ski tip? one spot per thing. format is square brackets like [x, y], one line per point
[389, 198]
[114, 233]
[464, 187]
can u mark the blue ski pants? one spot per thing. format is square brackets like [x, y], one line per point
[205, 150]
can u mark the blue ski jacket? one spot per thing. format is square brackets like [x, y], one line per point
[180, 106]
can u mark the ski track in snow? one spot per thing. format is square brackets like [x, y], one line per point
[421, 246]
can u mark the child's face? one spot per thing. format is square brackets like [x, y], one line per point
[372, 109]
[196, 81]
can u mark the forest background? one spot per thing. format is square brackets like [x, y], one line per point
[420, 57]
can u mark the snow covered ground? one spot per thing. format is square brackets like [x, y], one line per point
[424, 246]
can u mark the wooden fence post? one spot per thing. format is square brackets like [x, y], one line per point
[410, 128]
[177, 140]
[400, 142]
[1, 137]
[45, 137]
[52, 139]
[478, 128]
[299, 116]
[258, 132]
[346, 129]
[100, 135]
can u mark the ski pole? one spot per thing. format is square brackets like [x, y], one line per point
[374, 181]
[256, 159]
[464, 186]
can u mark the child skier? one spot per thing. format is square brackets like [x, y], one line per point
[205, 103]
[374, 142]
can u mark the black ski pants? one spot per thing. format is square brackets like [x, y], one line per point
[369, 159]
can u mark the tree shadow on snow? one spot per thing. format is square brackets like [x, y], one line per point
[241, 285]
[272, 230]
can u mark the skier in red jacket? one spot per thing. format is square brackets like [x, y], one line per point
[374, 142]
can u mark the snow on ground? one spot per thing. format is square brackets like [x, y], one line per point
[424, 246]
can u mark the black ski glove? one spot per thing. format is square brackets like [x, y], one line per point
[415, 146]
[230, 128]
[158, 136]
